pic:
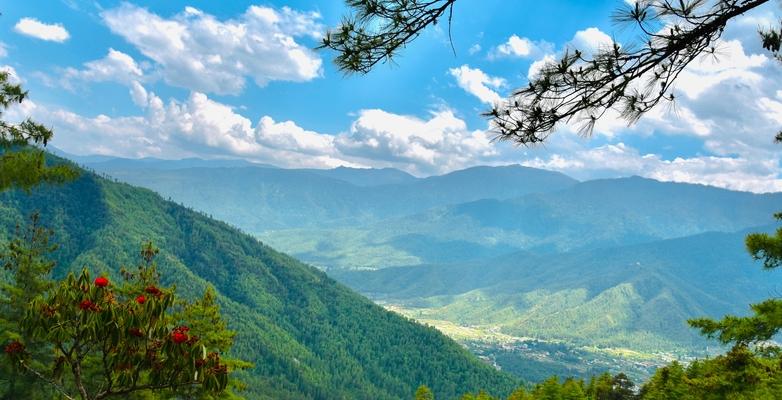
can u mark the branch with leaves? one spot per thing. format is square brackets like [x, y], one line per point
[766, 321]
[579, 88]
[377, 29]
[632, 80]
[22, 163]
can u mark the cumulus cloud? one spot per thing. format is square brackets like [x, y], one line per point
[439, 144]
[516, 47]
[115, 66]
[39, 30]
[591, 40]
[197, 51]
[520, 47]
[619, 159]
[478, 83]
[730, 63]
[588, 41]
[201, 126]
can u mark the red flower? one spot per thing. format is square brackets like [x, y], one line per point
[101, 282]
[141, 299]
[153, 291]
[87, 305]
[179, 335]
[14, 347]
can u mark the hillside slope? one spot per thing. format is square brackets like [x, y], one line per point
[309, 337]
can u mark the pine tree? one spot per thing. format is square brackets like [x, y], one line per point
[22, 165]
[423, 393]
[766, 320]
[26, 261]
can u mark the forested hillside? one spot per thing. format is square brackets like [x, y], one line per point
[308, 336]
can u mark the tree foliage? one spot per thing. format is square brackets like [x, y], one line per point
[766, 320]
[740, 374]
[579, 88]
[423, 393]
[377, 29]
[24, 258]
[22, 165]
[602, 387]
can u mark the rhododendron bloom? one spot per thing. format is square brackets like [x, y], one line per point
[153, 290]
[14, 347]
[87, 305]
[179, 335]
[101, 282]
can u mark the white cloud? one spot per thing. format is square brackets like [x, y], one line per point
[621, 160]
[3, 50]
[588, 41]
[520, 47]
[200, 126]
[197, 51]
[537, 66]
[116, 66]
[13, 76]
[440, 144]
[37, 29]
[138, 94]
[515, 47]
[591, 40]
[478, 83]
[730, 63]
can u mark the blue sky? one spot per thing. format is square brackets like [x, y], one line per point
[238, 79]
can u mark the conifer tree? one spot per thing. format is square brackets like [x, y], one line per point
[424, 393]
[22, 164]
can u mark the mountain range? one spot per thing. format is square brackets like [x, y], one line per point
[308, 336]
[518, 252]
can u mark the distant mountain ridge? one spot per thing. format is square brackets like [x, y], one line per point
[262, 199]
[591, 214]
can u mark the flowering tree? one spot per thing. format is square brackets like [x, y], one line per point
[113, 339]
